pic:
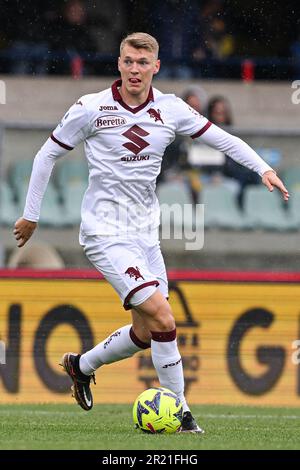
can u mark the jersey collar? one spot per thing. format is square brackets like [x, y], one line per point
[118, 97]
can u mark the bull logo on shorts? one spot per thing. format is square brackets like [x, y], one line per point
[155, 114]
[134, 272]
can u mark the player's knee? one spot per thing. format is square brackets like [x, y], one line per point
[142, 333]
[157, 313]
[163, 318]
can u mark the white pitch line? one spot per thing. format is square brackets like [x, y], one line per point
[202, 415]
[222, 416]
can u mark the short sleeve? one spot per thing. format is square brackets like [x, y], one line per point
[188, 121]
[73, 128]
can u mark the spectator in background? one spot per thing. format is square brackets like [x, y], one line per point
[175, 163]
[176, 25]
[107, 20]
[219, 112]
[70, 37]
[107, 23]
[214, 42]
[219, 42]
[196, 97]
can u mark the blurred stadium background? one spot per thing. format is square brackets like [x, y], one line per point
[245, 57]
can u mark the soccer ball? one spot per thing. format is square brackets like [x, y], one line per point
[157, 410]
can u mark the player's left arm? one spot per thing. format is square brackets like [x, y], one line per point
[242, 153]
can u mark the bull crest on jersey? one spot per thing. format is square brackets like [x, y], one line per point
[134, 272]
[155, 114]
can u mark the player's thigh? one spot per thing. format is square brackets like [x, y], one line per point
[157, 266]
[123, 264]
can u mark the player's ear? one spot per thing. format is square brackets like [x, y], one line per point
[157, 67]
[119, 60]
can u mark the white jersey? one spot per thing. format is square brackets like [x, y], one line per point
[124, 147]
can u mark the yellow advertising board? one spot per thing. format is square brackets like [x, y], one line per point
[239, 340]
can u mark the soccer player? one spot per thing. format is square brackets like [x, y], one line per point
[126, 129]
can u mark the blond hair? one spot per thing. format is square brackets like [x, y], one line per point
[141, 41]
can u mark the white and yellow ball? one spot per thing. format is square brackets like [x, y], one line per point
[157, 410]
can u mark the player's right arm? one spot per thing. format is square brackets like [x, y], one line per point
[73, 129]
[23, 231]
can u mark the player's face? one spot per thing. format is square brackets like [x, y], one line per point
[137, 67]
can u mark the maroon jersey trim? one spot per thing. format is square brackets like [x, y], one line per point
[61, 144]
[118, 97]
[204, 129]
[126, 304]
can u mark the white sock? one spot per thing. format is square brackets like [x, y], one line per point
[120, 344]
[168, 364]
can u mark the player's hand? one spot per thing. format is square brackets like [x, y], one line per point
[271, 180]
[23, 231]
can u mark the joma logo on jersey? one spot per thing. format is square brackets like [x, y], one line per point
[137, 144]
[108, 108]
[108, 121]
[193, 111]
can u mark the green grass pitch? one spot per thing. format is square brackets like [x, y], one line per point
[110, 427]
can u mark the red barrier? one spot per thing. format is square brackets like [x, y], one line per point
[173, 275]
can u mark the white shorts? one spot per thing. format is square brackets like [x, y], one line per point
[133, 265]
